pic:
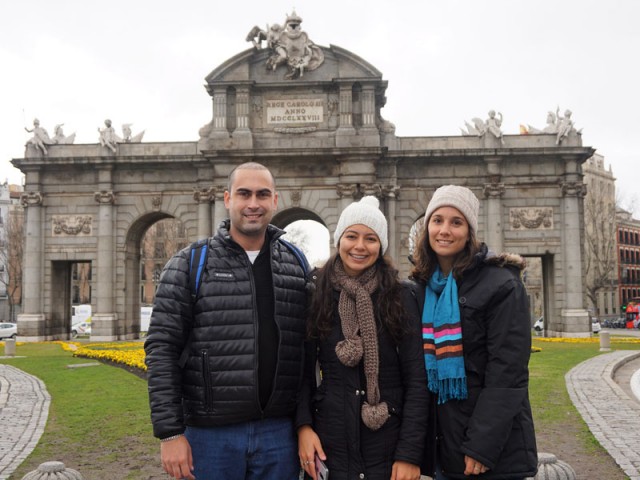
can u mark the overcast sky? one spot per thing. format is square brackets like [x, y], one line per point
[143, 62]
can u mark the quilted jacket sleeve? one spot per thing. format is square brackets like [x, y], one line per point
[167, 337]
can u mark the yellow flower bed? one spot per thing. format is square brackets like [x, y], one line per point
[631, 340]
[126, 353]
[132, 353]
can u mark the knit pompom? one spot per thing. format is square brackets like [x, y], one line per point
[374, 416]
[350, 351]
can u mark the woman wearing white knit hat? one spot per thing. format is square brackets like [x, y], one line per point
[367, 416]
[476, 335]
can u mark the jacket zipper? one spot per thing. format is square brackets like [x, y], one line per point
[206, 372]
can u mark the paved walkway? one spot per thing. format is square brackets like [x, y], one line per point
[24, 407]
[610, 410]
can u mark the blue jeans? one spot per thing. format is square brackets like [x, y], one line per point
[262, 449]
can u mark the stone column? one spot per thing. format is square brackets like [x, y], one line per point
[220, 109]
[219, 122]
[104, 321]
[242, 134]
[220, 211]
[242, 109]
[204, 197]
[368, 107]
[31, 322]
[574, 317]
[345, 129]
[493, 191]
[391, 194]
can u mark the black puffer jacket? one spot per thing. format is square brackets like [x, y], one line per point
[216, 381]
[494, 424]
[333, 409]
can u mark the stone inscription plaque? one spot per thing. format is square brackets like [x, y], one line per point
[294, 111]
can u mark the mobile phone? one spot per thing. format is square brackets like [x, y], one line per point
[322, 471]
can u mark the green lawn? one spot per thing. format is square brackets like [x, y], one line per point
[99, 416]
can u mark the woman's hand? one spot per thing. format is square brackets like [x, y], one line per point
[308, 446]
[405, 471]
[473, 467]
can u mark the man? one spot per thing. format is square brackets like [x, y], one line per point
[224, 367]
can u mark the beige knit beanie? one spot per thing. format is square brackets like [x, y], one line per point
[365, 212]
[458, 197]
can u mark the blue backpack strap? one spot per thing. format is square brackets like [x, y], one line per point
[299, 255]
[197, 262]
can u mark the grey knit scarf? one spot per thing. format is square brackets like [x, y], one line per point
[361, 337]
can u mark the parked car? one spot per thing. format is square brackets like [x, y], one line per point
[8, 330]
[538, 326]
[82, 328]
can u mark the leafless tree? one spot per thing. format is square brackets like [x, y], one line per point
[599, 241]
[161, 241]
[11, 258]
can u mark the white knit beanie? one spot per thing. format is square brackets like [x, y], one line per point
[458, 197]
[365, 212]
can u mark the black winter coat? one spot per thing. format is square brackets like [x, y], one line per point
[216, 380]
[494, 424]
[333, 409]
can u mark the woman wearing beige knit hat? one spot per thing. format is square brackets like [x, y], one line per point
[366, 418]
[476, 337]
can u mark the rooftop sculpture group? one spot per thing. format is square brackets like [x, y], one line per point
[481, 127]
[558, 125]
[41, 138]
[288, 45]
[108, 137]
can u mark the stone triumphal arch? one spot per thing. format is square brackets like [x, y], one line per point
[315, 121]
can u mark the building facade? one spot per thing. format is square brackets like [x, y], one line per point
[628, 246]
[322, 134]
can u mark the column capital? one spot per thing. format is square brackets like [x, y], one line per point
[347, 190]
[374, 189]
[391, 191]
[573, 189]
[204, 195]
[493, 190]
[105, 197]
[359, 190]
[31, 199]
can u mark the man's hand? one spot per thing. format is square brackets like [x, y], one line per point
[176, 458]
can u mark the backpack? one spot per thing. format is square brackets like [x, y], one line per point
[198, 260]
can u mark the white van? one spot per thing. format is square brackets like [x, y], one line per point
[145, 318]
[80, 313]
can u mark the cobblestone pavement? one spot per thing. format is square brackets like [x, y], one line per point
[24, 407]
[610, 411]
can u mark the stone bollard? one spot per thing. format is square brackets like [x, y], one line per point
[550, 468]
[52, 471]
[10, 347]
[605, 341]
